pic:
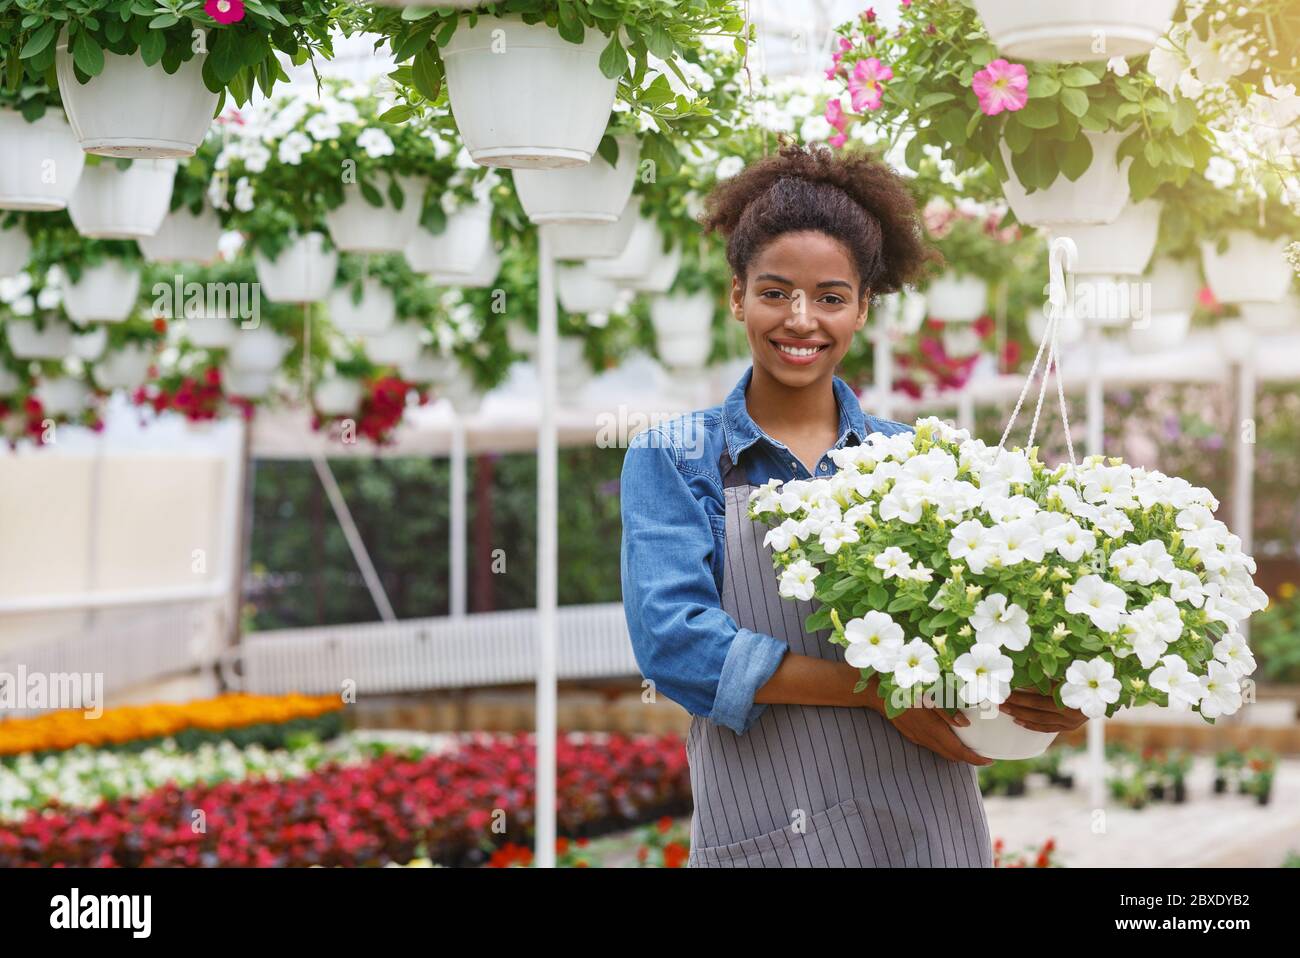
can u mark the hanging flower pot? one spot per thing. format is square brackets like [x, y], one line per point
[42, 162]
[581, 291]
[1163, 330]
[367, 312]
[483, 274]
[89, 344]
[429, 367]
[1279, 317]
[639, 260]
[26, 341]
[110, 203]
[358, 227]
[1097, 196]
[337, 396]
[460, 390]
[15, 247]
[1123, 246]
[571, 370]
[683, 325]
[250, 384]
[302, 272]
[1175, 284]
[131, 109]
[9, 382]
[521, 339]
[505, 79]
[662, 273]
[1068, 31]
[106, 293]
[124, 368]
[995, 734]
[259, 350]
[1250, 269]
[62, 396]
[184, 237]
[1107, 300]
[594, 193]
[396, 346]
[957, 299]
[591, 241]
[459, 248]
[215, 330]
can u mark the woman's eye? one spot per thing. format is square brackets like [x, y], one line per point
[833, 299]
[773, 294]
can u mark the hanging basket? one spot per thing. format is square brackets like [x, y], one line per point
[1069, 31]
[662, 274]
[124, 368]
[106, 293]
[483, 275]
[1123, 247]
[9, 382]
[571, 370]
[259, 350]
[62, 396]
[15, 248]
[429, 367]
[594, 193]
[521, 339]
[396, 346]
[53, 341]
[134, 110]
[459, 248]
[123, 204]
[303, 272]
[1175, 284]
[246, 383]
[337, 396]
[89, 345]
[587, 241]
[683, 325]
[184, 237]
[42, 162]
[581, 291]
[1097, 196]
[1251, 270]
[523, 96]
[1164, 330]
[643, 263]
[375, 312]
[1280, 317]
[210, 331]
[957, 299]
[358, 227]
[465, 397]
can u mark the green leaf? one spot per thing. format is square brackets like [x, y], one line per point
[613, 59]
[39, 40]
[398, 114]
[426, 74]
[934, 99]
[1043, 84]
[1074, 157]
[87, 55]
[660, 41]
[1184, 116]
[1038, 114]
[372, 195]
[1077, 75]
[608, 149]
[152, 47]
[1076, 101]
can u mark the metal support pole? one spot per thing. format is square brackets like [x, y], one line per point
[547, 556]
[883, 360]
[459, 518]
[358, 547]
[1243, 464]
[1095, 418]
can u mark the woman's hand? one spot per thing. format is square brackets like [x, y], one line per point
[932, 728]
[1040, 712]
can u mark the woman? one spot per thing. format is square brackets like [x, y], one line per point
[789, 766]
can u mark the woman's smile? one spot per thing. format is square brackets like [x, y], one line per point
[798, 352]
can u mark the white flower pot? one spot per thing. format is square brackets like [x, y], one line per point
[683, 329]
[1251, 269]
[1175, 284]
[373, 313]
[957, 299]
[135, 110]
[521, 339]
[571, 370]
[42, 162]
[1107, 300]
[302, 273]
[358, 227]
[465, 398]
[1097, 196]
[995, 734]
[1070, 30]
[259, 350]
[1124, 246]
[483, 274]
[594, 193]
[1164, 330]
[1278, 317]
[106, 293]
[217, 331]
[28, 342]
[459, 248]
[62, 396]
[429, 367]
[580, 291]
[184, 237]
[637, 264]
[15, 248]
[337, 396]
[523, 96]
[396, 346]
[247, 383]
[125, 368]
[123, 204]
[9, 382]
[662, 273]
[591, 241]
[89, 345]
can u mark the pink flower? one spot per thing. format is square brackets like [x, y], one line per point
[835, 114]
[838, 140]
[845, 45]
[866, 89]
[1001, 86]
[225, 11]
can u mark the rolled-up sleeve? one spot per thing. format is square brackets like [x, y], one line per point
[683, 640]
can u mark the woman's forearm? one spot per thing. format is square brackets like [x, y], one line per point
[804, 680]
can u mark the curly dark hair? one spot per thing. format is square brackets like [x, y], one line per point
[853, 198]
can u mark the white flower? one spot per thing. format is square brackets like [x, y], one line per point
[1090, 685]
[916, 662]
[1220, 691]
[797, 580]
[244, 195]
[292, 148]
[1117, 66]
[783, 536]
[1234, 653]
[765, 498]
[1069, 539]
[376, 143]
[893, 562]
[835, 534]
[1186, 586]
[322, 127]
[1112, 521]
[999, 624]
[874, 642]
[728, 167]
[970, 542]
[1017, 541]
[986, 674]
[1010, 508]
[256, 157]
[1099, 600]
[1174, 677]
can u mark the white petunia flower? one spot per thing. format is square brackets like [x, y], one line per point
[894, 562]
[916, 662]
[376, 143]
[999, 624]
[1234, 653]
[1069, 539]
[1090, 686]
[875, 640]
[970, 542]
[1174, 677]
[1220, 691]
[985, 673]
[835, 534]
[797, 580]
[1099, 600]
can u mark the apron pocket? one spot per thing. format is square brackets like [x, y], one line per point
[831, 839]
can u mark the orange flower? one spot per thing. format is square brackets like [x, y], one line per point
[675, 855]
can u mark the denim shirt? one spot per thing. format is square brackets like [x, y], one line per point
[674, 536]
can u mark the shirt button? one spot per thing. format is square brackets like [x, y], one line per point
[793, 464]
[823, 467]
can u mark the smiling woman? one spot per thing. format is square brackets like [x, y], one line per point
[793, 761]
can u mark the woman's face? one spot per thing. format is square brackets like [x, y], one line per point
[801, 295]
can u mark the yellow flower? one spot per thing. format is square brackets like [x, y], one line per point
[1286, 590]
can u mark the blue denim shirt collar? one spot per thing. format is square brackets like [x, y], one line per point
[742, 432]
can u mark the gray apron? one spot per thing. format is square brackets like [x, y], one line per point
[817, 786]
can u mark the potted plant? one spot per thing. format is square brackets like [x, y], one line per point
[123, 200]
[97, 280]
[364, 301]
[976, 250]
[1228, 764]
[355, 400]
[191, 230]
[1257, 774]
[132, 349]
[481, 276]
[1122, 247]
[581, 291]
[35, 140]
[460, 247]
[181, 59]
[591, 241]
[596, 192]
[1070, 30]
[15, 244]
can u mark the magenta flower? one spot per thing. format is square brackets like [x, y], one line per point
[1001, 86]
[225, 11]
[866, 85]
[835, 114]
[838, 140]
[845, 45]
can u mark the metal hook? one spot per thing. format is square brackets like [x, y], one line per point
[1062, 255]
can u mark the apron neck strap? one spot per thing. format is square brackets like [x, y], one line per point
[732, 474]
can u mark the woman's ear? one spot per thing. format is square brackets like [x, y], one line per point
[738, 298]
[864, 310]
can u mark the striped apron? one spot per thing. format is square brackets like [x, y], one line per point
[817, 786]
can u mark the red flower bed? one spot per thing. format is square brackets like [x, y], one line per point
[455, 808]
